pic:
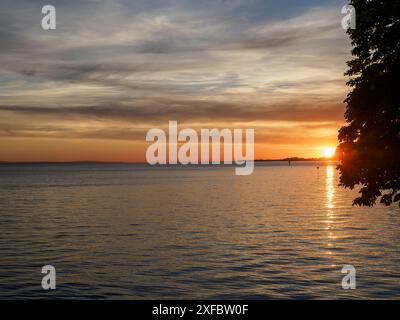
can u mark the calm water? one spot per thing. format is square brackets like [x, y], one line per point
[124, 231]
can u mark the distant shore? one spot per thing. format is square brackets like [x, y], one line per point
[144, 163]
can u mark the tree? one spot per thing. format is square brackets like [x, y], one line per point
[369, 147]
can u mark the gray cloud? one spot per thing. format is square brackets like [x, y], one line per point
[184, 111]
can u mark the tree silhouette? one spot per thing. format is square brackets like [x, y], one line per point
[369, 147]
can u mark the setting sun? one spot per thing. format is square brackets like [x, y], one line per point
[328, 152]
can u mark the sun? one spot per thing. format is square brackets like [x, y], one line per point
[328, 152]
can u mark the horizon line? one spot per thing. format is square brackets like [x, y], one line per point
[292, 159]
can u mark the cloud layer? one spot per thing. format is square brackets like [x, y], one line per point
[114, 69]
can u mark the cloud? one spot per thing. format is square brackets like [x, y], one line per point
[184, 111]
[147, 62]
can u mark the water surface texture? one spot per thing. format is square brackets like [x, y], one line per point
[127, 231]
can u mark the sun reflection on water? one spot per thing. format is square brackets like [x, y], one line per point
[330, 196]
[330, 188]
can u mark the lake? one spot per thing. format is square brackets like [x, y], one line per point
[135, 232]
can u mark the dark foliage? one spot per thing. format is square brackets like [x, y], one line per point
[370, 141]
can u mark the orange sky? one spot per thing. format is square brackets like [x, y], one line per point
[38, 149]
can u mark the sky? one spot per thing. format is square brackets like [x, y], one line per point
[112, 70]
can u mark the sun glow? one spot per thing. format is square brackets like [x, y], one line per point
[328, 152]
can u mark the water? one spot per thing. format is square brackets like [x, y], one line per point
[126, 231]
